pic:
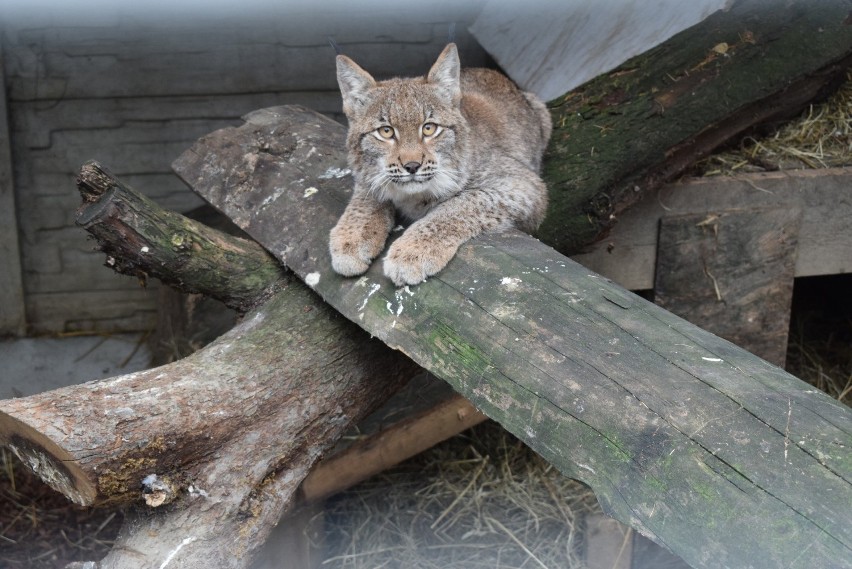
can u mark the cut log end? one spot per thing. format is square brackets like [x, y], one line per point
[49, 461]
[93, 181]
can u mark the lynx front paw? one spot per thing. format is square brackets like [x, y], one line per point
[409, 262]
[348, 265]
[348, 256]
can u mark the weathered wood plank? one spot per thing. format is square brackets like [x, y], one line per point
[731, 272]
[628, 254]
[12, 317]
[389, 447]
[716, 454]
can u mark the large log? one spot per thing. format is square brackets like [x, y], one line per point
[630, 130]
[217, 442]
[723, 458]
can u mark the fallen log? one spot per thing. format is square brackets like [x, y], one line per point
[216, 444]
[629, 131]
[719, 456]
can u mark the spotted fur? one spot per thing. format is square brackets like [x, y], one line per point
[462, 156]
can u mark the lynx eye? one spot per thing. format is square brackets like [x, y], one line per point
[429, 129]
[385, 132]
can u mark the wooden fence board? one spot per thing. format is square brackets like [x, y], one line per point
[12, 317]
[628, 254]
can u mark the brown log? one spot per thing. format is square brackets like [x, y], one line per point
[216, 444]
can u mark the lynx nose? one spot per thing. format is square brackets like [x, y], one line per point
[411, 167]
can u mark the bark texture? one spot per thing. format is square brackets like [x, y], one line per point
[144, 240]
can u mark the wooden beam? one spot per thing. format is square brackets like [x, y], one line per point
[12, 316]
[628, 254]
[731, 272]
[711, 451]
[389, 447]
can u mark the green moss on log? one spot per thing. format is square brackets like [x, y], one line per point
[630, 130]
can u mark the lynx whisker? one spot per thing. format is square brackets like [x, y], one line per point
[378, 184]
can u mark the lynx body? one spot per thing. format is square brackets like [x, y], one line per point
[456, 153]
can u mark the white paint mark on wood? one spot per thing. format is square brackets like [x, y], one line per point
[374, 288]
[312, 279]
[710, 359]
[175, 551]
[334, 172]
[274, 196]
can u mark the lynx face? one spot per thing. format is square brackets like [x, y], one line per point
[407, 137]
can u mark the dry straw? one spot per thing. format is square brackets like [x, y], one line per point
[821, 137]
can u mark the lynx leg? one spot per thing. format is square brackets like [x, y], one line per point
[431, 242]
[360, 234]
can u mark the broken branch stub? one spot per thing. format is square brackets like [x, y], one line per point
[142, 239]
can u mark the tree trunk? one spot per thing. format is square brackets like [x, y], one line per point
[641, 125]
[705, 448]
[218, 442]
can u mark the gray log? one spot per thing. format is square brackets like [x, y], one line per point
[723, 458]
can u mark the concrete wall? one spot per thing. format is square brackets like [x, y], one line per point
[134, 92]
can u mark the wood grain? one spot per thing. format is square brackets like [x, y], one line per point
[731, 272]
[12, 317]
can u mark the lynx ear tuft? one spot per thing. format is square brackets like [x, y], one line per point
[355, 84]
[445, 73]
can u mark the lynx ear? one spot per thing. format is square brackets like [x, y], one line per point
[354, 82]
[445, 73]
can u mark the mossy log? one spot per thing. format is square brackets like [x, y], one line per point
[721, 457]
[144, 240]
[629, 131]
[210, 449]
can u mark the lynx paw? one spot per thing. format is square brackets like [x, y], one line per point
[348, 265]
[348, 256]
[409, 262]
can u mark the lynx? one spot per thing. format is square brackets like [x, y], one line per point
[455, 153]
